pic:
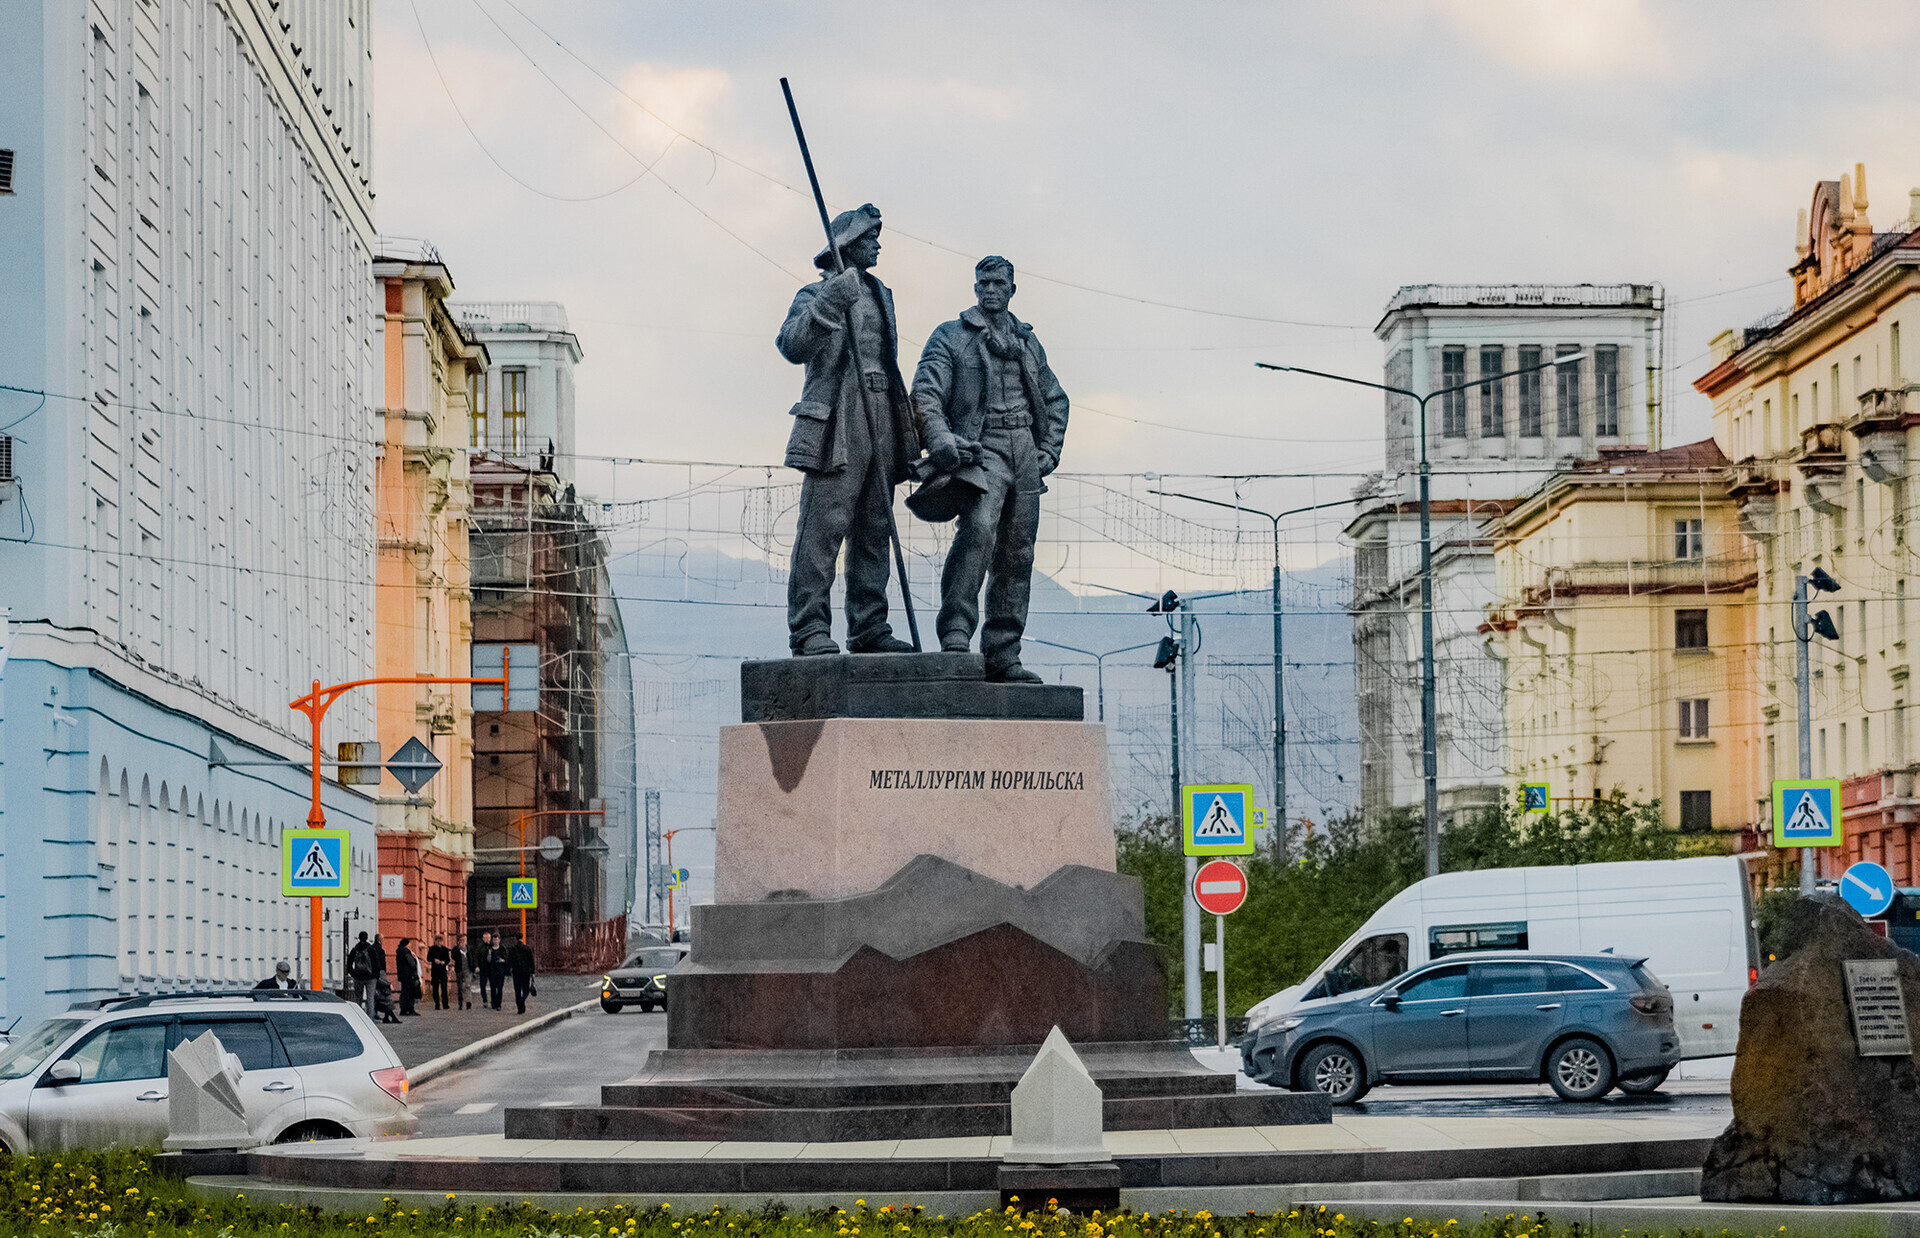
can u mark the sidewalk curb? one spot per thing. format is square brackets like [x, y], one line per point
[417, 1075]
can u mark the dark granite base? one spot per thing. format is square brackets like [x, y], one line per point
[1082, 1187]
[785, 1124]
[896, 685]
[825, 1096]
[350, 1167]
[938, 956]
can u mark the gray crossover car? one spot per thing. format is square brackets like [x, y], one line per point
[641, 980]
[1582, 1022]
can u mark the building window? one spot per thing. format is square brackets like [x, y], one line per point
[1696, 812]
[1693, 719]
[1833, 385]
[1566, 393]
[1689, 541]
[1893, 351]
[513, 412]
[1453, 398]
[1530, 391]
[1606, 391]
[477, 409]
[1689, 629]
[1493, 395]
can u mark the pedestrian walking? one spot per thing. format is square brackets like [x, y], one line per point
[282, 977]
[499, 967]
[379, 956]
[483, 966]
[438, 960]
[407, 965]
[520, 961]
[360, 967]
[462, 968]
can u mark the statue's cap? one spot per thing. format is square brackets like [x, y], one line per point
[848, 227]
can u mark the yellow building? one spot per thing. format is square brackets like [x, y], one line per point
[1818, 414]
[1624, 622]
[422, 609]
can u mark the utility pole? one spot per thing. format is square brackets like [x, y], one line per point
[1278, 839]
[1099, 666]
[1805, 628]
[1429, 714]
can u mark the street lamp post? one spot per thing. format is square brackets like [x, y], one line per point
[1805, 628]
[315, 705]
[1429, 726]
[1099, 666]
[1279, 835]
[668, 838]
[522, 848]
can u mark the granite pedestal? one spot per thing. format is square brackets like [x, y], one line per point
[915, 882]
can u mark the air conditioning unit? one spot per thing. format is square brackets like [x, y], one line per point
[6, 460]
[6, 171]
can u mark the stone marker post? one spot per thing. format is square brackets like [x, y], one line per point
[204, 1109]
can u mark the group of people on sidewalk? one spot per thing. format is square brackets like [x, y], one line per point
[448, 971]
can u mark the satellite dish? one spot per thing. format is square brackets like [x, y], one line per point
[552, 847]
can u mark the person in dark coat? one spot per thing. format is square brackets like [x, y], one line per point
[379, 956]
[360, 967]
[499, 967]
[438, 960]
[520, 959]
[988, 398]
[461, 970]
[853, 438]
[282, 977]
[407, 965]
[382, 992]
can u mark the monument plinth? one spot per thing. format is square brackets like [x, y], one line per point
[915, 884]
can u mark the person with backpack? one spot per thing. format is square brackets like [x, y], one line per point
[360, 968]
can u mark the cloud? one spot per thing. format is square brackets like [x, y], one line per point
[1588, 39]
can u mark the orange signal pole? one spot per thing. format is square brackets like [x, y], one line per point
[545, 812]
[315, 705]
[668, 836]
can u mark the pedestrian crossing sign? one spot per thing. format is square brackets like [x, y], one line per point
[1214, 819]
[1806, 812]
[1536, 798]
[523, 893]
[313, 863]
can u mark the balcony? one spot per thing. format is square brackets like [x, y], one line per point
[1881, 429]
[1752, 484]
[1822, 461]
[1729, 573]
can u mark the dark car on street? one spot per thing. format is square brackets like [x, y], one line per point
[1583, 1022]
[641, 980]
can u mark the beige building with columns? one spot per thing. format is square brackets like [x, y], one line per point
[1818, 412]
[423, 621]
[1624, 624]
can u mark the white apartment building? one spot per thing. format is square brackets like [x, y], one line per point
[1487, 442]
[522, 408]
[186, 540]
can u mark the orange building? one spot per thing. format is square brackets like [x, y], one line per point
[422, 608]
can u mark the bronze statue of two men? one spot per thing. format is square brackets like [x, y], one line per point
[983, 423]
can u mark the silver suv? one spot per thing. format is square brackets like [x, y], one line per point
[315, 1068]
[1583, 1022]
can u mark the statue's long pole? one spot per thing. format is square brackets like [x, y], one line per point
[840, 264]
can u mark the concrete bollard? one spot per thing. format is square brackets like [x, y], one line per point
[204, 1109]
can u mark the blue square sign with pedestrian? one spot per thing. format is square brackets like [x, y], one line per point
[1213, 819]
[1806, 812]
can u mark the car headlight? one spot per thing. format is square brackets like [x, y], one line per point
[661, 981]
[1288, 1024]
[606, 982]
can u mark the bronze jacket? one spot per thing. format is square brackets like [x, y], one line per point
[817, 338]
[950, 387]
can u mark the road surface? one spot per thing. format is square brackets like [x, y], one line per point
[563, 1065]
[567, 1063]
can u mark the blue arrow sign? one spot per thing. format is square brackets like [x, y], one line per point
[1867, 887]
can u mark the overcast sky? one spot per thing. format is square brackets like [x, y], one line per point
[1292, 162]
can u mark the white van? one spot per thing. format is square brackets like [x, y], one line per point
[1692, 920]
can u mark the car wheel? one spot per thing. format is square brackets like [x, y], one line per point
[309, 1132]
[610, 1007]
[1645, 1084]
[646, 1007]
[1580, 1070]
[1336, 1070]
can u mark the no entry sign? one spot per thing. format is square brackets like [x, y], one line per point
[1219, 887]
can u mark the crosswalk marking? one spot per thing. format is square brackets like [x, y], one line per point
[478, 1106]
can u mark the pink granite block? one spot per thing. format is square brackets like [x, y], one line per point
[834, 807]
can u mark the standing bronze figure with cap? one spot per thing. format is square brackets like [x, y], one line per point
[853, 438]
[995, 420]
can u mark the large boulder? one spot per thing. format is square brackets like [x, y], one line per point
[1813, 1121]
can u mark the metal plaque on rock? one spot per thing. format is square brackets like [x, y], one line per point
[1879, 1009]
